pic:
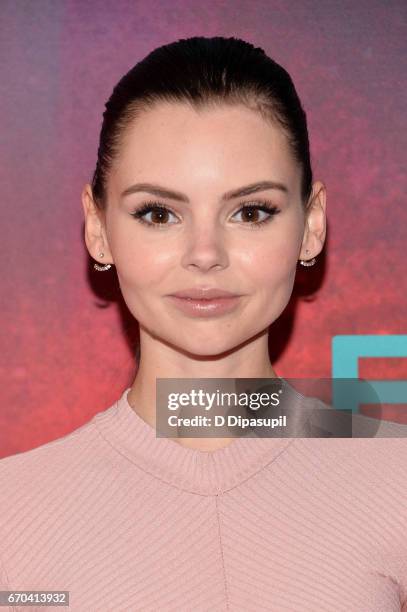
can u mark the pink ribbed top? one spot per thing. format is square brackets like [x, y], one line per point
[126, 521]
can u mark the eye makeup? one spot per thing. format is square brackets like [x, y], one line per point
[156, 207]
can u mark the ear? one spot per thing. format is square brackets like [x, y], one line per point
[315, 223]
[95, 228]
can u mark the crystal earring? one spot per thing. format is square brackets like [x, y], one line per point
[308, 263]
[99, 267]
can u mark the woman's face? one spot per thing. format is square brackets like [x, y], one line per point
[205, 241]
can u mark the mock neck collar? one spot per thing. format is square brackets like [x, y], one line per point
[201, 472]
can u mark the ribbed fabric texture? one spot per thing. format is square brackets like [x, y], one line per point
[126, 521]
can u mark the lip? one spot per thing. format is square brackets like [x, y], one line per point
[205, 307]
[204, 293]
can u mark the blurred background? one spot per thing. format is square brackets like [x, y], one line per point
[68, 342]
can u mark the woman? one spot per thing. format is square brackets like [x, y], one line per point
[203, 185]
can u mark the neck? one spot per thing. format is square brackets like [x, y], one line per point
[161, 361]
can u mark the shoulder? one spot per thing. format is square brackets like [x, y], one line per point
[338, 423]
[354, 439]
[46, 457]
[53, 479]
[31, 472]
[360, 444]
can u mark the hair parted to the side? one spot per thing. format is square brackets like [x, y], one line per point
[204, 72]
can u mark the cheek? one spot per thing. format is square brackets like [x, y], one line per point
[141, 268]
[272, 257]
[139, 264]
[274, 281]
[270, 265]
[139, 273]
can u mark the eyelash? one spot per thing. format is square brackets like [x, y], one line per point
[263, 205]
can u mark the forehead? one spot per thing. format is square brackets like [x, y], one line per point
[175, 140]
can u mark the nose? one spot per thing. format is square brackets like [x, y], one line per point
[206, 249]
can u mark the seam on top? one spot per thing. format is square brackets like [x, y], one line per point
[221, 551]
[169, 484]
[180, 488]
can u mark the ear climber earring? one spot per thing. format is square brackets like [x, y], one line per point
[308, 263]
[100, 268]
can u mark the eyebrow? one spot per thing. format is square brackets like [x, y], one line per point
[162, 192]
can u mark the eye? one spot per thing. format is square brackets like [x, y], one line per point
[159, 214]
[252, 210]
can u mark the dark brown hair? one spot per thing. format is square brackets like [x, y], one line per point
[204, 71]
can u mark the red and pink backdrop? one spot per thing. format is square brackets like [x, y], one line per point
[68, 341]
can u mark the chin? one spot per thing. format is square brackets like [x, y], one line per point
[204, 346]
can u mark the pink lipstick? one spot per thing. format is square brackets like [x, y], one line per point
[205, 301]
